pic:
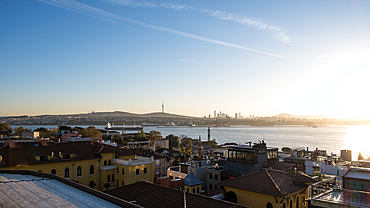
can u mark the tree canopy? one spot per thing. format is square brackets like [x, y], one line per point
[140, 137]
[5, 129]
[18, 131]
[174, 141]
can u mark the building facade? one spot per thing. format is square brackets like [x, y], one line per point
[92, 164]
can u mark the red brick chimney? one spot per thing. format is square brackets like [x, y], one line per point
[10, 143]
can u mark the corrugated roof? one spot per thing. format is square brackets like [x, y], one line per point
[33, 191]
[358, 173]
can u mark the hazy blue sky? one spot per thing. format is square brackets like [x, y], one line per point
[253, 57]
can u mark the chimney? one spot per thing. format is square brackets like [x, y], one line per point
[44, 143]
[10, 143]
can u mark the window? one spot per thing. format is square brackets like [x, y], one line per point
[109, 162]
[157, 171]
[210, 176]
[137, 171]
[269, 205]
[117, 170]
[297, 202]
[163, 161]
[123, 183]
[66, 173]
[197, 189]
[163, 171]
[216, 177]
[291, 203]
[187, 190]
[157, 162]
[215, 186]
[91, 170]
[105, 163]
[40, 171]
[193, 190]
[43, 158]
[284, 205]
[145, 170]
[123, 171]
[108, 178]
[79, 171]
[112, 177]
[210, 186]
[53, 172]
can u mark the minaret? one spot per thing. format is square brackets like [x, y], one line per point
[162, 106]
[209, 134]
[200, 146]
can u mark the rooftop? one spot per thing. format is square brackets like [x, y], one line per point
[30, 190]
[358, 173]
[271, 182]
[151, 195]
[28, 153]
[191, 180]
[342, 198]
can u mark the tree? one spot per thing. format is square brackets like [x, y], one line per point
[174, 141]
[117, 139]
[360, 157]
[140, 137]
[44, 132]
[5, 129]
[186, 145]
[68, 128]
[153, 135]
[18, 131]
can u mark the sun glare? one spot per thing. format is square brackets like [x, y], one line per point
[351, 99]
[358, 141]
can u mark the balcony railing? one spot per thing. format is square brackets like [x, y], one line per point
[108, 167]
[140, 161]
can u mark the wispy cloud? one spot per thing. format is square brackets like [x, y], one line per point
[191, 61]
[276, 32]
[79, 7]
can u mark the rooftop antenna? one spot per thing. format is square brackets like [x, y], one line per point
[162, 106]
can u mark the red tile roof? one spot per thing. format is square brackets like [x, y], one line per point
[270, 182]
[151, 195]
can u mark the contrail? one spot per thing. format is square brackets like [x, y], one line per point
[76, 6]
[277, 32]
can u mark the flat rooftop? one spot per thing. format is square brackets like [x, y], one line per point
[33, 191]
[342, 198]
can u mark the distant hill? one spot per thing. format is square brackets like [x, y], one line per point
[147, 115]
[284, 115]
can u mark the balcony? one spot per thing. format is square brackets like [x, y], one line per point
[108, 167]
[137, 161]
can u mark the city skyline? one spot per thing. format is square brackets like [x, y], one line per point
[257, 58]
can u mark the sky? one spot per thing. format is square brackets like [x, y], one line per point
[258, 58]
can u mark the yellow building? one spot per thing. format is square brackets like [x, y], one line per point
[270, 188]
[92, 164]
